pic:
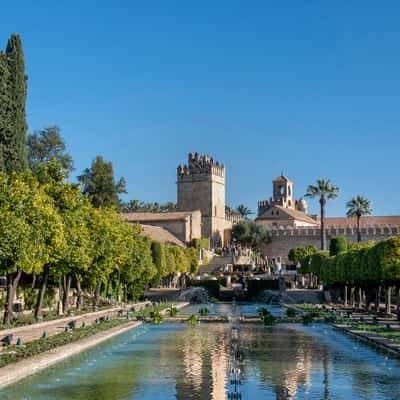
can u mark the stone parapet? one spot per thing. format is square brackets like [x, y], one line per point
[375, 230]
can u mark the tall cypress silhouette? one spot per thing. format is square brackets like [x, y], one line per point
[13, 139]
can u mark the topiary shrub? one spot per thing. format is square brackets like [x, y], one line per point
[291, 312]
[307, 319]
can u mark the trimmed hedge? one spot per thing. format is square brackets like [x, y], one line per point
[255, 286]
[212, 286]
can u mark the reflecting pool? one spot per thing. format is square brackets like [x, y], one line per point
[178, 361]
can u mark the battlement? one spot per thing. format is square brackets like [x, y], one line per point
[264, 205]
[371, 231]
[198, 164]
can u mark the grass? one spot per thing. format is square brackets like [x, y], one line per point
[376, 330]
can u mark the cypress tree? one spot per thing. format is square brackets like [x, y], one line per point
[14, 142]
[5, 106]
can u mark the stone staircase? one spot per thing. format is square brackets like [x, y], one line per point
[216, 264]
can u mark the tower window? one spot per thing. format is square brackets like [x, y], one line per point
[289, 191]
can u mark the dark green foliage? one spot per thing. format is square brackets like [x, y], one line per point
[249, 233]
[307, 319]
[266, 316]
[244, 211]
[157, 260]
[291, 312]
[47, 145]
[203, 311]
[99, 185]
[255, 286]
[172, 311]
[212, 286]
[203, 243]
[141, 206]
[337, 245]
[13, 91]
[193, 256]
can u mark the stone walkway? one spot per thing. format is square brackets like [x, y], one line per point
[35, 331]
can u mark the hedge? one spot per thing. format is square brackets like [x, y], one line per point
[212, 286]
[254, 286]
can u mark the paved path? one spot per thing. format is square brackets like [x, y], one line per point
[35, 331]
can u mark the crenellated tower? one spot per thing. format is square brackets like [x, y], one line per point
[201, 186]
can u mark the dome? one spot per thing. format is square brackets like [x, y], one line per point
[302, 205]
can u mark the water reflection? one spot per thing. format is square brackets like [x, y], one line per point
[176, 361]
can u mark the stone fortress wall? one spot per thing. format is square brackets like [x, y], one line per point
[282, 240]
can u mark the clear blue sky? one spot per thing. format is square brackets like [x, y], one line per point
[309, 87]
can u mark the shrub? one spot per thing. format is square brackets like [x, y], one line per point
[307, 319]
[338, 245]
[156, 317]
[203, 311]
[172, 311]
[212, 286]
[193, 319]
[255, 286]
[291, 312]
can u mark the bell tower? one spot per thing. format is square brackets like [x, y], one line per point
[283, 192]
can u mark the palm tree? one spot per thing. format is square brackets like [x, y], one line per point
[325, 191]
[243, 210]
[358, 207]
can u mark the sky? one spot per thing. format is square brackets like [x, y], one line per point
[307, 88]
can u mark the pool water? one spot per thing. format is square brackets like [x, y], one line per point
[180, 361]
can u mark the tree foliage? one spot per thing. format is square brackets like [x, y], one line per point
[251, 234]
[324, 191]
[337, 245]
[99, 184]
[358, 207]
[298, 254]
[13, 91]
[45, 146]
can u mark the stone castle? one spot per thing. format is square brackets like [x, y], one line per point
[201, 204]
[202, 214]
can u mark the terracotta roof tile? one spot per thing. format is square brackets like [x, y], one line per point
[160, 235]
[149, 216]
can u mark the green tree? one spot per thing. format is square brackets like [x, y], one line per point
[47, 145]
[13, 140]
[5, 108]
[324, 190]
[358, 207]
[297, 254]
[99, 184]
[337, 245]
[31, 232]
[244, 211]
[249, 233]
